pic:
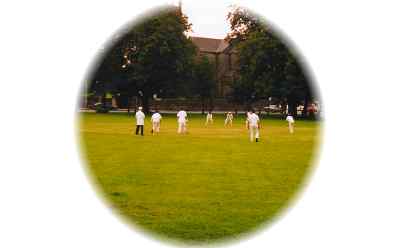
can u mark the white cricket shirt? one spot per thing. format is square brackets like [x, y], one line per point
[139, 118]
[290, 119]
[181, 116]
[253, 119]
[156, 117]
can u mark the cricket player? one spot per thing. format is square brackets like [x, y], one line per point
[139, 121]
[209, 118]
[229, 119]
[156, 121]
[253, 125]
[290, 120]
[182, 120]
[247, 119]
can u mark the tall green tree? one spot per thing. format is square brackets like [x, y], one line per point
[267, 67]
[162, 55]
[242, 23]
[204, 82]
[262, 59]
[152, 56]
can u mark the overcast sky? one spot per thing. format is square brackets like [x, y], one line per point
[208, 20]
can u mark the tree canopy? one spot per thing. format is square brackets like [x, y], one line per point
[152, 56]
[267, 67]
[203, 83]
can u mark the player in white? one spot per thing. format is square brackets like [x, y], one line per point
[139, 121]
[253, 124]
[229, 119]
[290, 120]
[182, 121]
[209, 118]
[247, 118]
[156, 121]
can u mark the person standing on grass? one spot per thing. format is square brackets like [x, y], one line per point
[139, 121]
[253, 125]
[247, 118]
[290, 120]
[229, 119]
[209, 118]
[182, 121]
[156, 121]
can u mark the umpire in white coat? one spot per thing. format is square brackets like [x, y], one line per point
[139, 121]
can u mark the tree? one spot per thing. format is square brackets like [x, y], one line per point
[152, 56]
[242, 23]
[261, 62]
[108, 76]
[295, 87]
[162, 55]
[267, 67]
[204, 80]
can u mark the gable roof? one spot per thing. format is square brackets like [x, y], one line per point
[210, 44]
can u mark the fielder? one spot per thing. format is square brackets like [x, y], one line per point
[209, 118]
[253, 125]
[229, 119]
[156, 121]
[247, 118]
[139, 121]
[290, 120]
[182, 121]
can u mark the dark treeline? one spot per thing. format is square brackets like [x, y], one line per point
[267, 67]
[155, 56]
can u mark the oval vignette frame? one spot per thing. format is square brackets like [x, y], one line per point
[262, 226]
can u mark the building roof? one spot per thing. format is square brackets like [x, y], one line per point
[210, 44]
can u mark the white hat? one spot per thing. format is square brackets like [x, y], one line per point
[140, 108]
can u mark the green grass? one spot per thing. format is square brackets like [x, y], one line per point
[211, 184]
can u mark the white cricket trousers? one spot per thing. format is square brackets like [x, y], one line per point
[228, 121]
[156, 126]
[181, 127]
[291, 129]
[254, 132]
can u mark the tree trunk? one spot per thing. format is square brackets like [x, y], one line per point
[202, 105]
[305, 109]
[103, 100]
[145, 102]
[283, 108]
[248, 106]
[292, 104]
[292, 108]
[211, 107]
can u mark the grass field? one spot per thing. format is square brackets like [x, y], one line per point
[209, 185]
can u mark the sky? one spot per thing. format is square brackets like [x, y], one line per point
[208, 21]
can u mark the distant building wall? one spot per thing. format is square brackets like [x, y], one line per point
[225, 59]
